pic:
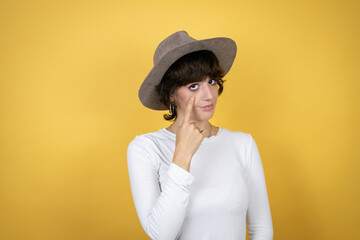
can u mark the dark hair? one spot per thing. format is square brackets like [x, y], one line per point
[192, 67]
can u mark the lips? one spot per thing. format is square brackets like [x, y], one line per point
[207, 107]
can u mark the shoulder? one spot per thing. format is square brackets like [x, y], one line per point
[241, 143]
[148, 141]
[142, 150]
[239, 137]
[245, 146]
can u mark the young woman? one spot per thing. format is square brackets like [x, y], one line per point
[194, 180]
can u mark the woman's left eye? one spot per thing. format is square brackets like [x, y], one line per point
[212, 82]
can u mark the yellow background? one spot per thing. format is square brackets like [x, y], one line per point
[70, 72]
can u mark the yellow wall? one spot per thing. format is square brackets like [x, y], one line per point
[70, 72]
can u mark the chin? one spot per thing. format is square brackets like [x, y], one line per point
[205, 116]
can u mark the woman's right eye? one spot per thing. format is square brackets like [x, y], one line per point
[193, 87]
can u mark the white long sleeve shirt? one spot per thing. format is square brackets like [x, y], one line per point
[224, 190]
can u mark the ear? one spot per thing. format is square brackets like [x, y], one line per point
[173, 96]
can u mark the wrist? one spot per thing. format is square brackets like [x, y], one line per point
[182, 160]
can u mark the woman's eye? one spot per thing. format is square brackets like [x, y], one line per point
[193, 87]
[212, 82]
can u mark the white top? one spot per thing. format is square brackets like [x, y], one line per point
[224, 189]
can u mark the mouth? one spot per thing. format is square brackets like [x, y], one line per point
[207, 107]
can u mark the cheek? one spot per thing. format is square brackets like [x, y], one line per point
[215, 93]
[183, 98]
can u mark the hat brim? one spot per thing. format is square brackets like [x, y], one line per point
[223, 48]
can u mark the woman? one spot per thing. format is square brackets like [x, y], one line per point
[194, 180]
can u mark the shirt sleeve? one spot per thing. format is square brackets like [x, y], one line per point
[161, 210]
[259, 222]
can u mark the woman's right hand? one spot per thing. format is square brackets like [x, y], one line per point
[188, 138]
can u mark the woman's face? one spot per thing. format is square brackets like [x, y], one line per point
[206, 94]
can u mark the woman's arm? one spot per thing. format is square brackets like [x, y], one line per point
[161, 213]
[258, 217]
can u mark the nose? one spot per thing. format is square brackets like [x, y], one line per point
[207, 93]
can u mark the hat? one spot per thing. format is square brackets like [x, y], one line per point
[171, 49]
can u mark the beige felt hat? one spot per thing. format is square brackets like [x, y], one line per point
[171, 49]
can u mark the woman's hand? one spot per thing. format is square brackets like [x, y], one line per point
[188, 138]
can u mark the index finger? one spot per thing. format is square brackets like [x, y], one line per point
[189, 109]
